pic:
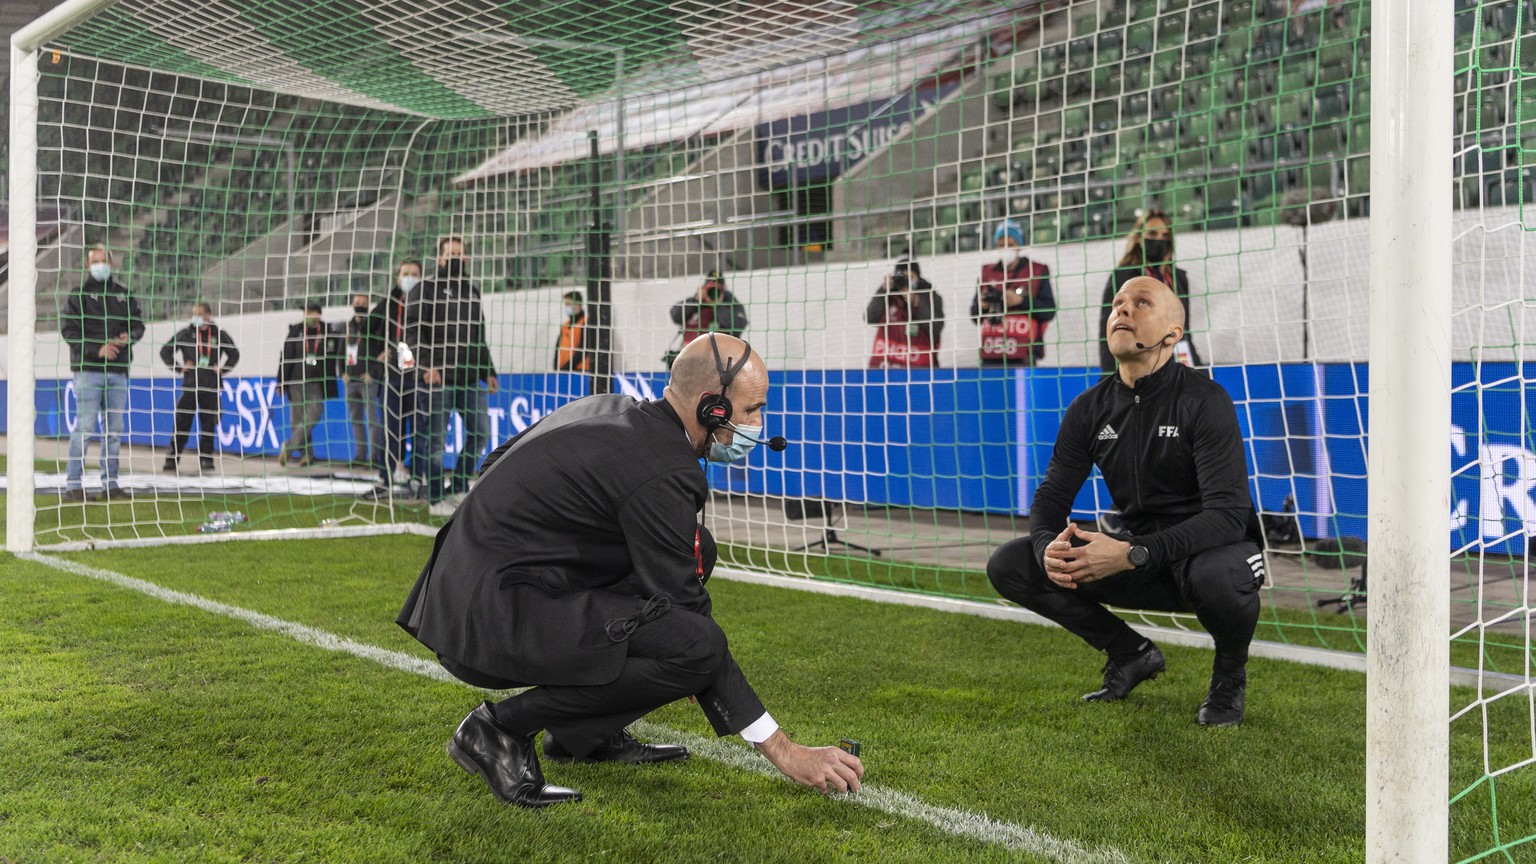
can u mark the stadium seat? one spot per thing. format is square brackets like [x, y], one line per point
[1139, 38]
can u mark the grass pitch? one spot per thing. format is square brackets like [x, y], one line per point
[136, 730]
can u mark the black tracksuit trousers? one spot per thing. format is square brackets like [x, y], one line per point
[202, 403]
[1220, 585]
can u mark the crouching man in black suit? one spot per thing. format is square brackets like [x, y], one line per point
[577, 566]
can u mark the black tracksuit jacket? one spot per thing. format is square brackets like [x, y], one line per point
[1172, 457]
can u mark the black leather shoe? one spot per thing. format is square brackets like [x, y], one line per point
[170, 465]
[1223, 705]
[1120, 678]
[621, 747]
[205, 463]
[507, 762]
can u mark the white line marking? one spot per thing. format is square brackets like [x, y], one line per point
[960, 823]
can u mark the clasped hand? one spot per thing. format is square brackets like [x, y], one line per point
[1070, 566]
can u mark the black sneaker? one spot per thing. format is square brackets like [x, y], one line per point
[1121, 677]
[170, 465]
[1223, 705]
[205, 463]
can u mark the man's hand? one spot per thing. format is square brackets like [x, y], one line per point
[383, 356]
[1070, 566]
[433, 377]
[827, 769]
[492, 384]
[107, 351]
[703, 294]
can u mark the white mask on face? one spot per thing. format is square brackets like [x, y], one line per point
[406, 283]
[196, 322]
[101, 271]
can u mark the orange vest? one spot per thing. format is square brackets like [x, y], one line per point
[570, 346]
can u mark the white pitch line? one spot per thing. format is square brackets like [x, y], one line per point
[960, 823]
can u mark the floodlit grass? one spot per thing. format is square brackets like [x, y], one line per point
[135, 730]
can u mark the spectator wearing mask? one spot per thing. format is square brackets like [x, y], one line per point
[362, 376]
[909, 319]
[202, 353]
[1148, 252]
[711, 309]
[307, 375]
[469, 376]
[406, 325]
[1013, 303]
[100, 322]
[571, 353]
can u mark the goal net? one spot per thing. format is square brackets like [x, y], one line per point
[841, 184]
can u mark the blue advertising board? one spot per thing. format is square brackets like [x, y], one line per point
[980, 439]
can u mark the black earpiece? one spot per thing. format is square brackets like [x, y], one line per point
[1160, 341]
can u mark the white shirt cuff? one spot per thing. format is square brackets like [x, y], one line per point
[761, 729]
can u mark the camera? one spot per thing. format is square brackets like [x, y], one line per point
[899, 282]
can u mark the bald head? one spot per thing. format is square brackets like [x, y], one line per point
[1145, 316]
[695, 373]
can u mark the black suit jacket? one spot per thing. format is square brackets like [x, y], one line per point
[577, 521]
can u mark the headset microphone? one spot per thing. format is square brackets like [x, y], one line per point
[776, 443]
[1160, 341]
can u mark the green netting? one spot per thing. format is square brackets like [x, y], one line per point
[299, 152]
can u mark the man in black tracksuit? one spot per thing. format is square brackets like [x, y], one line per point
[207, 353]
[1167, 442]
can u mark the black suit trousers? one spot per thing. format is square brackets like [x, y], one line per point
[203, 403]
[677, 655]
[1220, 585]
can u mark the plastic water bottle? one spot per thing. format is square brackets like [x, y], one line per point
[330, 523]
[221, 522]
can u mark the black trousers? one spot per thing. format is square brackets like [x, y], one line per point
[203, 403]
[677, 655]
[1220, 585]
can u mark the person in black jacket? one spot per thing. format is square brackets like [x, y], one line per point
[362, 377]
[308, 377]
[1148, 252]
[469, 376]
[1166, 439]
[577, 565]
[100, 322]
[205, 354]
[408, 324]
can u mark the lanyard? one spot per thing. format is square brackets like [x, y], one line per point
[198, 335]
[1157, 273]
[312, 348]
[400, 320]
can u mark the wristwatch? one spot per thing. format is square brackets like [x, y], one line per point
[1138, 555]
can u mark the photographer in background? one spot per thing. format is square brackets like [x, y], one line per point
[1013, 303]
[712, 309]
[909, 317]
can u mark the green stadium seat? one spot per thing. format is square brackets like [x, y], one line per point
[973, 179]
[1107, 81]
[1228, 154]
[922, 218]
[1074, 121]
[947, 215]
[1168, 66]
[1141, 10]
[1111, 47]
[1171, 30]
[1081, 53]
[1293, 112]
[1043, 229]
[1236, 13]
[1139, 39]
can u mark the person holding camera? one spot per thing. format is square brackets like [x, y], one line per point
[711, 309]
[909, 317]
[1013, 303]
[1167, 442]
[1148, 252]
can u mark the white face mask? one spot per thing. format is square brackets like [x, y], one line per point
[197, 321]
[101, 271]
[406, 283]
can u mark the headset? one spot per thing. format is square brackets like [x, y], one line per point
[715, 409]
